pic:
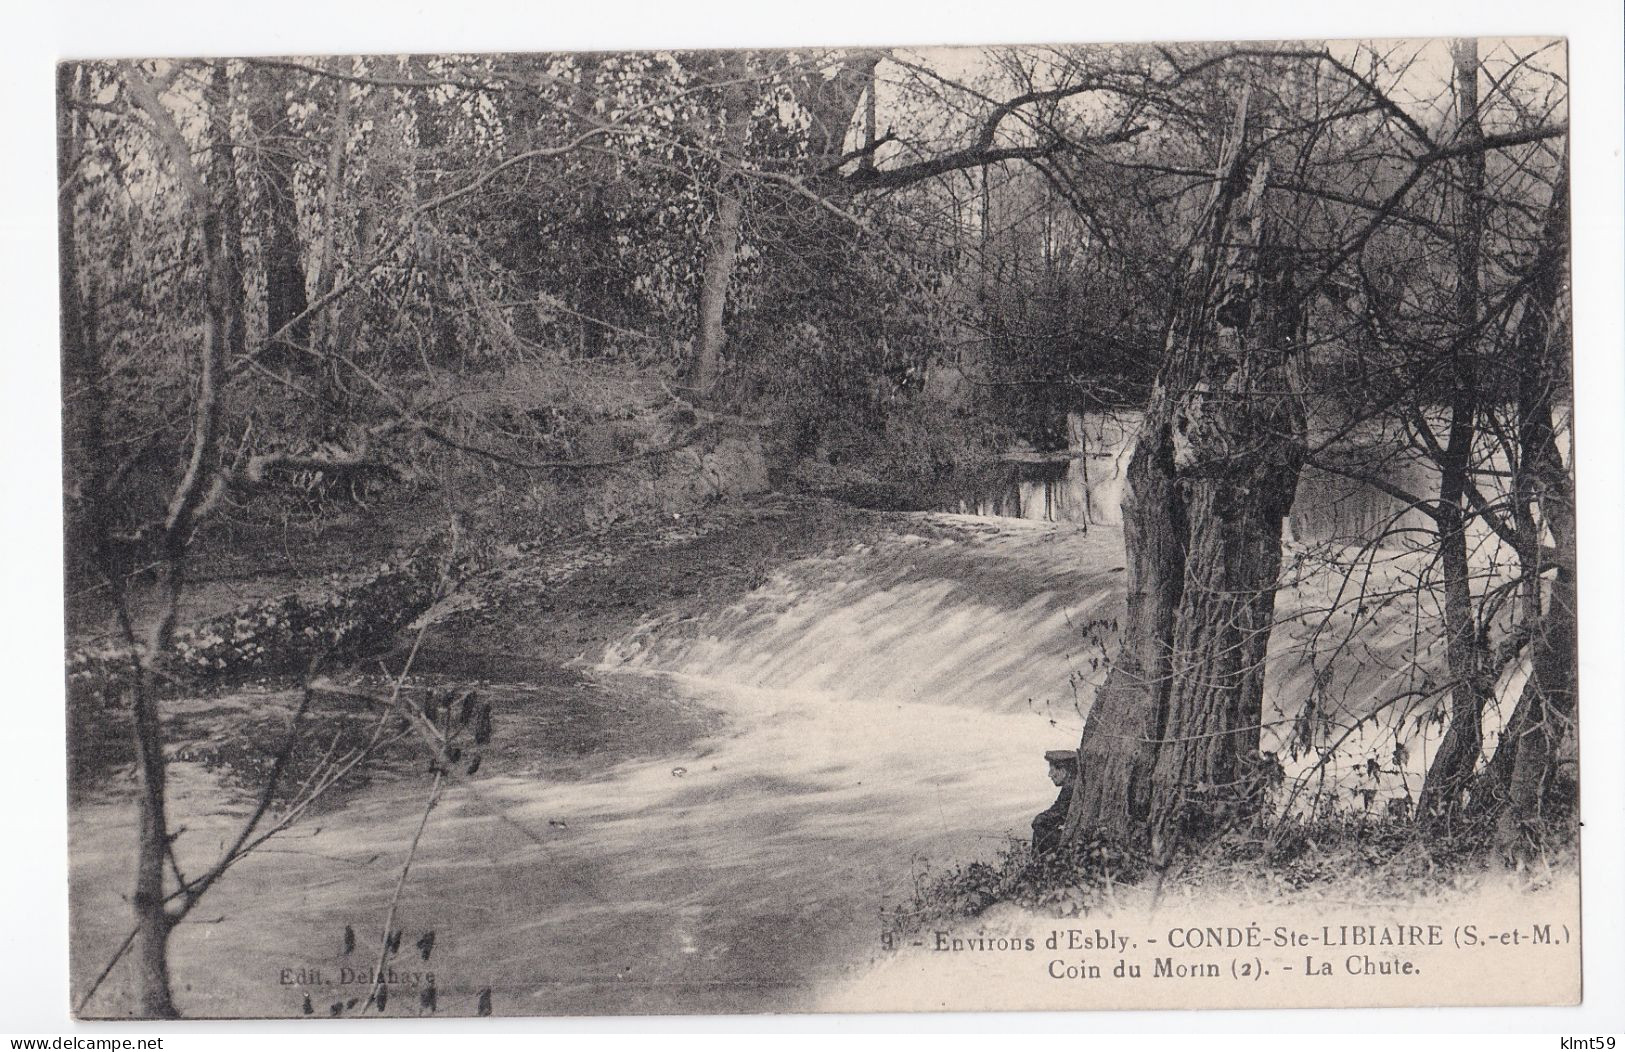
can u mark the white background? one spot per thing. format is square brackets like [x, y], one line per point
[33, 906]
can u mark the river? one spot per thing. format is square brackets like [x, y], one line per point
[743, 793]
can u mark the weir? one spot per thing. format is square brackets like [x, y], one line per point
[872, 714]
[1081, 483]
[1004, 619]
[1020, 617]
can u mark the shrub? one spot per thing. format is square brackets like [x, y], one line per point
[344, 621]
[1064, 883]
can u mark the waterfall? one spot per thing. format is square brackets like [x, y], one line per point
[1012, 616]
[1004, 619]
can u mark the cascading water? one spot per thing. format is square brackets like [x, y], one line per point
[1017, 617]
[996, 618]
[866, 713]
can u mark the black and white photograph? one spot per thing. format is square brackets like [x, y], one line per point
[1026, 527]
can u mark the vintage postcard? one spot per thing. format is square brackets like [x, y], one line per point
[859, 529]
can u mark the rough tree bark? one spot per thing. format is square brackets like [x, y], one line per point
[1169, 751]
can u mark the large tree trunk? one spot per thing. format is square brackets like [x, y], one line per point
[1169, 751]
[722, 252]
[1118, 751]
[1463, 742]
[1208, 762]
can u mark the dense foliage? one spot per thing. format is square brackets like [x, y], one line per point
[565, 290]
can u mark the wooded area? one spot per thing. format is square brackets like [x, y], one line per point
[518, 297]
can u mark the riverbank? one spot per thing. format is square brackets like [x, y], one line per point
[542, 604]
[726, 747]
[650, 842]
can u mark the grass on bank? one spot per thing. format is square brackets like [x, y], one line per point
[1341, 854]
